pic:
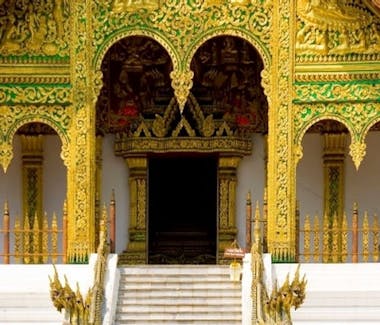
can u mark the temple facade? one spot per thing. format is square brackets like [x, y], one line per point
[175, 117]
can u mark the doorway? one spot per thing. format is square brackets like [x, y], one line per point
[182, 209]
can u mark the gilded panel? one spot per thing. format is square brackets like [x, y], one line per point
[13, 94]
[31, 30]
[360, 91]
[182, 26]
[345, 30]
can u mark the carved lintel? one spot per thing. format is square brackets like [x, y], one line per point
[182, 81]
[232, 145]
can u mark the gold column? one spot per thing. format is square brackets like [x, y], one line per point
[281, 158]
[227, 230]
[333, 165]
[32, 159]
[32, 169]
[81, 188]
[136, 252]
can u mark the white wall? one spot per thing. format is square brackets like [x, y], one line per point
[251, 177]
[115, 176]
[11, 183]
[362, 186]
[309, 175]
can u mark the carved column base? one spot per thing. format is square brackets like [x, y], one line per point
[136, 252]
[226, 237]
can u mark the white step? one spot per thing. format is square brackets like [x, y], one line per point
[25, 292]
[171, 294]
[337, 293]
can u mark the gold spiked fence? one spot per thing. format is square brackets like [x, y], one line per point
[339, 239]
[33, 239]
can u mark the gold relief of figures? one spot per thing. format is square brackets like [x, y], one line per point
[137, 83]
[332, 27]
[33, 27]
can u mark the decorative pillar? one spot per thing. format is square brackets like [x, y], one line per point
[281, 158]
[227, 230]
[136, 252]
[333, 166]
[81, 189]
[32, 160]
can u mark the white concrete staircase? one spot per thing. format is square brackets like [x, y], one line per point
[168, 294]
[28, 308]
[336, 294]
[25, 292]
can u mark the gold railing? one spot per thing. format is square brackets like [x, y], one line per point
[33, 240]
[339, 240]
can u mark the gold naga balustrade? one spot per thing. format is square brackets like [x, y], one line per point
[81, 310]
[355, 242]
[33, 243]
[271, 308]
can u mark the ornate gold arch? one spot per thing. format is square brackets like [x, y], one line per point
[12, 118]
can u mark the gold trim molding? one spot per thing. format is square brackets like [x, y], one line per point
[232, 145]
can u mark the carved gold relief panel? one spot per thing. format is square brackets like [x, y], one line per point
[34, 28]
[336, 28]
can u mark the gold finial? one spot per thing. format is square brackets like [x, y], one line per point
[249, 197]
[6, 209]
[65, 207]
[256, 227]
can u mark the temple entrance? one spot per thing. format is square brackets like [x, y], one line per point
[182, 209]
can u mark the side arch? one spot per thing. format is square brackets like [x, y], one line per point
[301, 132]
[9, 135]
[45, 120]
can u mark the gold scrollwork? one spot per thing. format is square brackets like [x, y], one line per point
[6, 155]
[182, 81]
[134, 5]
[357, 152]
